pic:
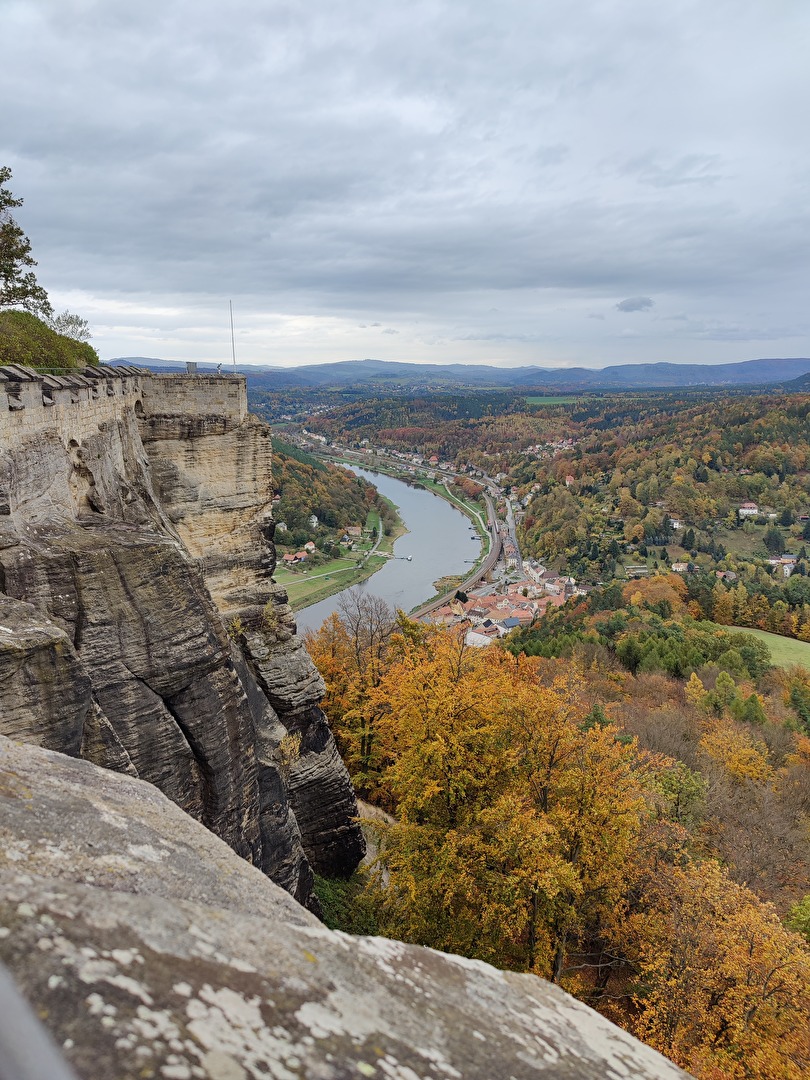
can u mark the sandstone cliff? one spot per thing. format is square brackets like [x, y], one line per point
[127, 502]
[150, 950]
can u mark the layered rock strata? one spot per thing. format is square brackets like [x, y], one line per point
[213, 477]
[150, 949]
[110, 646]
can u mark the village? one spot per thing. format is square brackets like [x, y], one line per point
[508, 601]
[516, 591]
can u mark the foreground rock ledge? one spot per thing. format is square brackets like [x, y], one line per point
[151, 950]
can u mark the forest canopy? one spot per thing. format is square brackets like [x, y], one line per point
[632, 835]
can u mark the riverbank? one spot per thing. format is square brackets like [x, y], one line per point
[440, 542]
[466, 506]
[308, 587]
[469, 508]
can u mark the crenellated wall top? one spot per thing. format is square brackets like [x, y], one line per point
[73, 406]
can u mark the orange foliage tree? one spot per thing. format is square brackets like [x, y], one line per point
[514, 818]
[722, 986]
[532, 833]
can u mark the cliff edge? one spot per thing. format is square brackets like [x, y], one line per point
[150, 950]
[135, 535]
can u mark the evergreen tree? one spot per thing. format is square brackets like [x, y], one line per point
[18, 285]
[773, 540]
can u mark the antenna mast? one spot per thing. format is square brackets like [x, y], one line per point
[233, 340]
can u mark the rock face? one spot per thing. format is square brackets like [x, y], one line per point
[151, 950]
[110, 646]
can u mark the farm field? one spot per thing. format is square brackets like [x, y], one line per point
[785, 651]
[541, 399]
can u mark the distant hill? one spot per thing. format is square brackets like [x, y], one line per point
[800, 385]
[392, 375]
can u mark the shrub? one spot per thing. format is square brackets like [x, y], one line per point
[25, 339]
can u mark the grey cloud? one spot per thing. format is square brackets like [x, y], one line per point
[387, 161]
[390, 331]
[635, 303]
[699, 169]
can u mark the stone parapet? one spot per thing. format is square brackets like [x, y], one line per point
[74, 406]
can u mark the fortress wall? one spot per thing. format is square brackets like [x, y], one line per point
[76, 407]
[222, 396]
[73, 407]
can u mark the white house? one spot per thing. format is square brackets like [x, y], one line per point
[748, 509]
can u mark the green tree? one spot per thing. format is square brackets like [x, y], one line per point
[69, 325]
[18, 284]
[798, 918]
[774, 541]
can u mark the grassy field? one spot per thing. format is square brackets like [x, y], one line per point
[310, 586]
[307, 587]
[785, 651]
[563, 399]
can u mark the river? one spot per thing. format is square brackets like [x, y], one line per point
[439, 541]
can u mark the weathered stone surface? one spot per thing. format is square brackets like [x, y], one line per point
[213, 475]
[286, 673]
[113, 649]
[149, 949]
[317, 782]
[159, 662]
[45, 692]
[67, 819]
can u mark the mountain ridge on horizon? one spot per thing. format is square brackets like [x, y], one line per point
[656, 375]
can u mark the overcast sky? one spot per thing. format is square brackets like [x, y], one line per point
[528, 181]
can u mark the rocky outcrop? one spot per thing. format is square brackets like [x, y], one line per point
[149, 949]
[317, 784]
[213, 479]
[110, 646]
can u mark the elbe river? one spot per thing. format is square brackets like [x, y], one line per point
[440, 540]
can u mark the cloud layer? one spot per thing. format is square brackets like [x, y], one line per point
[424, 181]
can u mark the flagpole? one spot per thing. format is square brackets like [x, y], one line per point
[233, 340]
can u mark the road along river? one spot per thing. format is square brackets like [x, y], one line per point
[440, 540]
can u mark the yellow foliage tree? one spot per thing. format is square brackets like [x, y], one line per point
[652, 590]
[504, 801]
[738, 752]
[722, 605]
[695, 691]
[350, 650]
[722, 986]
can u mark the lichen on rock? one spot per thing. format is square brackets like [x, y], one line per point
[151, 949]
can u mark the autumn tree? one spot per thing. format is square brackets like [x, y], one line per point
[514, 817]
[722, 987]
[722, 605]
[350, 650]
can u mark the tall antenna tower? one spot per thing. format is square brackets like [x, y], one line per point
[233, 339]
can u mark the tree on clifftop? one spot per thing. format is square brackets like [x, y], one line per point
[18, 286]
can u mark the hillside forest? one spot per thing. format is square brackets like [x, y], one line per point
[306, 486]
[641, 481]
[616, 797]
